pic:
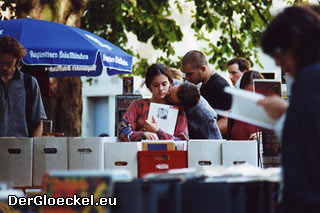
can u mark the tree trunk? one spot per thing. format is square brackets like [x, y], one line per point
[64, 106]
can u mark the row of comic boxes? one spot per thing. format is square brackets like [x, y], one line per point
[23, 161]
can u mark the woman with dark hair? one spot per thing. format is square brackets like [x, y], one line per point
[134, 125]
[238, 130]
[293, 40]
[247, 79]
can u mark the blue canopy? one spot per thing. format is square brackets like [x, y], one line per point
[65, 50]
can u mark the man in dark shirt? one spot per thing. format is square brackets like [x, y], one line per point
[196, 68]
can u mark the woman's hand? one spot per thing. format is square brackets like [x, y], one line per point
[151, 136]
[151, 126]
[274, 106]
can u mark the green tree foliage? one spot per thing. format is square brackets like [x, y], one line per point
[237, 26]
[239, 23]
[112, 20]
[7, 5]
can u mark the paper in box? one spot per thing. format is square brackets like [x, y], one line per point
[122, 155]
[181, 145]
[16, 160]
[204, 153]
[49, 153]
[239, 152]
[85, 153]
[158, 146]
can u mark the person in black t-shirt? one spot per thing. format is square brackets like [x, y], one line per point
[196, 68]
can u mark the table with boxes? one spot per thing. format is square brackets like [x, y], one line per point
[25, 160]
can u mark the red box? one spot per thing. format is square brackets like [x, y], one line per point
[160, 161]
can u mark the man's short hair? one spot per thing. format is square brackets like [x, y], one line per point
[243, 63]
[188, 95]
[195, 58]
[9, 45]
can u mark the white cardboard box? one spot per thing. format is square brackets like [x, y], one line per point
[204, 153]
[85, 153]
[238, 152]
[16, 160]
[49, 153]
[122, 155]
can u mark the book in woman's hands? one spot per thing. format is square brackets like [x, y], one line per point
[165, 115]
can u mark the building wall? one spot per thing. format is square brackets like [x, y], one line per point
[95, 97]
[98, 99]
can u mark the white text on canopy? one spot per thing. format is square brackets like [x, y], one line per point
[115, 59]
[61, 68]
[61, 54]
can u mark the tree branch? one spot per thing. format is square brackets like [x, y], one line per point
[233, 42]
[259, 13]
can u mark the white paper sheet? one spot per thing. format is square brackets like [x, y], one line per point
[166, 116]
[245, 108]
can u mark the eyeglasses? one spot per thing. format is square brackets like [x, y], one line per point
[7, 63]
